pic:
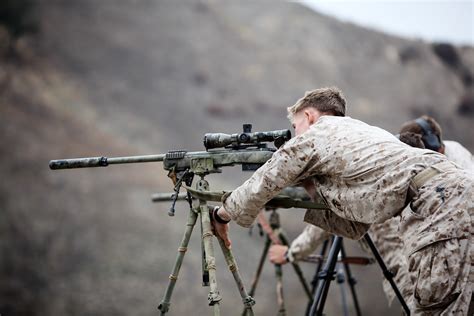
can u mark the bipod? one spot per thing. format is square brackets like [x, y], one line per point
[275, 235]
[209, 263]
[325, 276]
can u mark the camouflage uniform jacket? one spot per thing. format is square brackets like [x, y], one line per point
[386, 235]
[362, 172]
[458, 154]
[307, 242]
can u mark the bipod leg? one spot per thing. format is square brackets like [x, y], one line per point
[165, 303]
[276, 231]
[205, 271]
[296, 267]
[351, 280]
[388, 275]
[214, 297]
[279, 290]
[253, 288]
[232, 265]
[326, 276]
[314, 282]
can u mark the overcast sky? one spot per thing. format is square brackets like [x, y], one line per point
[442, 20]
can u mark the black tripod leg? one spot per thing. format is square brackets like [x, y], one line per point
[351, 281]
[340, 277]
[326, 275]
[388, 275]
[315, 280]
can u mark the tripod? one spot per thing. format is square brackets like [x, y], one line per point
[209, 262]
[275, 235]
[326, 275]
[203, 194]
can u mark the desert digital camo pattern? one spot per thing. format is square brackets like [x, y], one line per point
[364, 173]
[307, 242]
[458, 154]
[387, 240]
[437, 238]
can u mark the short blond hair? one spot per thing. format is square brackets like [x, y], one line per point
[325, 100]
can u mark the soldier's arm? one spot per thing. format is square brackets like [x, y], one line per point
[296, 160]
[307, 242]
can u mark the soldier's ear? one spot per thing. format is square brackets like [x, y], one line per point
[307, 115]
[310, 116]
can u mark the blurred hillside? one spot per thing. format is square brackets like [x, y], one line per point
[90, 78]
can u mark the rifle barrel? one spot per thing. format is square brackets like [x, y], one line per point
[91, 162]
[162, 197]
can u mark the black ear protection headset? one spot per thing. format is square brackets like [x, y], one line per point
[430, 139]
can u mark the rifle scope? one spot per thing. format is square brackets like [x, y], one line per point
[216, 140]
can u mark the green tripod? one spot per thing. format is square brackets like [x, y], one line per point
[209, 262]
[203, 194]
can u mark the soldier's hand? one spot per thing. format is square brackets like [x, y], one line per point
[276, 254]
[221, 228]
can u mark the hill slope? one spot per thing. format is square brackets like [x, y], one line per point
[127, 78]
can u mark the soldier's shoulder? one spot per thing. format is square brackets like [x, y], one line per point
[454, 146]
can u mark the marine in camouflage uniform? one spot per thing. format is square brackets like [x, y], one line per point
[366, 176]
[425, 127]
[458, 154]
[385, 235]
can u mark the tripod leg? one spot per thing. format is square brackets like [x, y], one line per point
[268, 242]
[326, 275]
[388, 275]
[165, 303]
[340, 280]
[279, 288]
[276, 231]
[232, 265]
[351, 281]
[214, 297]
[315, 280]
[205, 271]
[296, 267]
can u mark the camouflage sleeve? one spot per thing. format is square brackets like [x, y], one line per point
[336, 225]
[307, 242]
[294, 161]
[458, 154]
